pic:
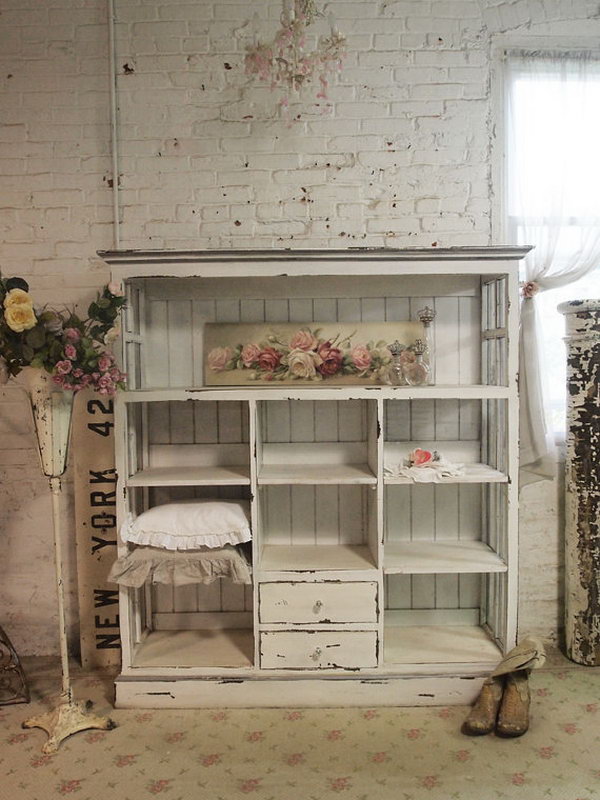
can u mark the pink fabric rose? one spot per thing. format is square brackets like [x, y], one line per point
[104, 362]
[269, 359]
[303, 340]
[70, 352]
[331, 359]
[361, 356]
[63, 367]
[420, 458]
[529, 289]
[105, 385]
[115, 289]
[250, 354]
[218, 358]
[72, 334]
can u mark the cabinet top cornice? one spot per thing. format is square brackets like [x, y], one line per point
[492, 252]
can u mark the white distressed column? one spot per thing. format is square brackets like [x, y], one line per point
[582, 479]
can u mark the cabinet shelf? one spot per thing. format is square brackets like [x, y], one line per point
[460, 644]
[473, 473]
[231, 475]
[282, 558]
[426, 558]
[310, 474]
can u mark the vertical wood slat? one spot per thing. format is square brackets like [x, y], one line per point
[180, 350]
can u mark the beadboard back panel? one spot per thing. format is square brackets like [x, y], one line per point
[173, 318]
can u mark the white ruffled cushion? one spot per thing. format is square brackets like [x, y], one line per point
[180, 568]
[190, 525]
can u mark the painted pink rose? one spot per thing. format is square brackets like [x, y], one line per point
[339, 784]
[218, 716]
[68, 787]
[173, 738]
[463, 755]
[546, 752]
[361, 357]
[105, 362]
[63, 367]
[571, 728]
[269, 359]
[72, 334]
[331, 359]
[430, 781]
[303, 340]
[156, 787]
[293, 716]
[414, 733]
[96, 736]
[518, 779]
[255, 736]
[211, 759]
[591, 708]
[250, 785]
[17, 738]
[250, 354]
[125, 760]
[218, 358]
[70, 352]
[543, 692]
[380, 758]
[295, 759]
[334, 736]
[41, 761]
[145, 716]
[444, 713]
[302, 364]
[371, 713]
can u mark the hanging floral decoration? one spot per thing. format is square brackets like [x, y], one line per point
[75, 351]
[285, 65]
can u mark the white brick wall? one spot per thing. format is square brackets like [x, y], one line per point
[398, 156]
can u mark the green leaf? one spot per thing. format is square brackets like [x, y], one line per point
[17, 283]
[36, 337]
[27, 352]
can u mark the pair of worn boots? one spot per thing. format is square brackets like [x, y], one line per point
[502, 705]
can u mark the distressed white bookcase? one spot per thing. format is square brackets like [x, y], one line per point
[366, 590]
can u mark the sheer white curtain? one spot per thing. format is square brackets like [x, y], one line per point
[553, 163]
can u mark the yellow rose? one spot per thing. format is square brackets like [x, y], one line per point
[17, 297]
[20, 318]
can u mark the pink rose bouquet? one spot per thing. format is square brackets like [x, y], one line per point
[73, 350]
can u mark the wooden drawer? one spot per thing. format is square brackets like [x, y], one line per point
[318, 649]
[327, 602]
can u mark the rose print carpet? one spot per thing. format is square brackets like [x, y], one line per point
[309, 754]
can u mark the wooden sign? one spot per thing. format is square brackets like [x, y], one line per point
[96, 522]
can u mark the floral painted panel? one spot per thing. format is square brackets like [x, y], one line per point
[338, 353]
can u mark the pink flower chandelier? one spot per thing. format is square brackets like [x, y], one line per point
[285, 64]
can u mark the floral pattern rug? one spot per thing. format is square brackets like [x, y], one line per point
[309, 754]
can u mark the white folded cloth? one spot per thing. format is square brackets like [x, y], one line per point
[432, 472]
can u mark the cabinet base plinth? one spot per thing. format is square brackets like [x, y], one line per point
[305, 693]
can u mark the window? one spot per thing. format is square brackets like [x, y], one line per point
[553, 181]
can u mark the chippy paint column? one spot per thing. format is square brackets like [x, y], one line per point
[582, 512]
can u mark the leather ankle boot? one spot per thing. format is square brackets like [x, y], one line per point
[513, 717]
[482, 717]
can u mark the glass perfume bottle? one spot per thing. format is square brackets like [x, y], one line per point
[426, 316]
[396, 373]
[417, 372]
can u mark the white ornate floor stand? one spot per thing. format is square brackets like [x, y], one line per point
[582, 479]
[52, 411]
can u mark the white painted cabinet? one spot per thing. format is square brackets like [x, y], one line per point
[406, 588]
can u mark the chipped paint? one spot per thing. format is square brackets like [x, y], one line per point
[582, 479]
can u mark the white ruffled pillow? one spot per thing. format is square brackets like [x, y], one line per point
[190, 525]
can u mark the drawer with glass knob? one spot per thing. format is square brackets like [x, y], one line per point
[318, 649]
[326, 602]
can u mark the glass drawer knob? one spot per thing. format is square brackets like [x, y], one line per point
[318, 606]
[316, 654]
